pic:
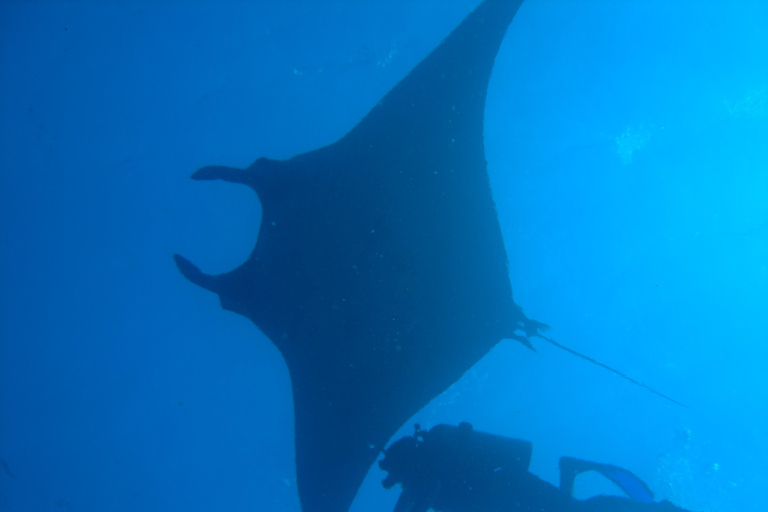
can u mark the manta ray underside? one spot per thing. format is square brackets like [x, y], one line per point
[380, 271]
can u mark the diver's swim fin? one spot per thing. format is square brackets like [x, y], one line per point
[635, 488]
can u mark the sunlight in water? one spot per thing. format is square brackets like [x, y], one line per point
[632, 140]
[753, 104]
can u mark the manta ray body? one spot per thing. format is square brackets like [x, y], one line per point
[380, 272]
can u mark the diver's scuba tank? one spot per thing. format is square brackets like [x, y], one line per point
[445, 448]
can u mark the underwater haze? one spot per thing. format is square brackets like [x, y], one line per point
[626, 147]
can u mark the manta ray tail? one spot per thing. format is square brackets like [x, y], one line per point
[617, 372]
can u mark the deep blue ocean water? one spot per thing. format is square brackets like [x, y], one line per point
[627, 144]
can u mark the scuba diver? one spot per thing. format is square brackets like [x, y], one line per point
[458, 469]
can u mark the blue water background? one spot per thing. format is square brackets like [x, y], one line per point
[628, 151]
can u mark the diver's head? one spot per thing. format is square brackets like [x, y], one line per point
[400, 461]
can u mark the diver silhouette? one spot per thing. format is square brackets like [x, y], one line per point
[458, 469]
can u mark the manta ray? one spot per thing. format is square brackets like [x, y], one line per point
[380, 271]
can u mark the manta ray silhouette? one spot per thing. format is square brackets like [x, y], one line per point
[380, 271]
